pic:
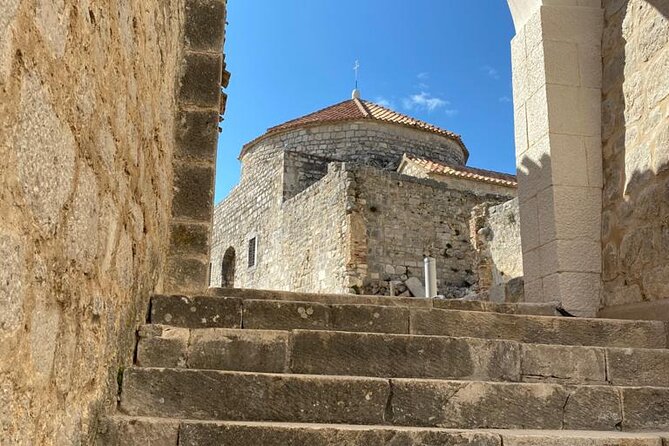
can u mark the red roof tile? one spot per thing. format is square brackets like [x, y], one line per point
[470, 173]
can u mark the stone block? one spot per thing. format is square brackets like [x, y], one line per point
[196, 312]
[645, 408]
[201, 81]
[189, 239]
[193, 192]
[569, 161]
[415, 286]
[205, 25]
[196, 135]
[240, 434]
[563, 364]
[593, 408]
[13, 278]
[162, 346]
[529, 225]
[471, 405]
[577, 25]
[126, 431]
[638, 367]
[240, 350]
[538, 329]
[184, 275]
[369, 318]
[275, 315]
[210, 395]
[397, 356]
[561, 62]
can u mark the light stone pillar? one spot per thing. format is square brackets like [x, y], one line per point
[557, 100]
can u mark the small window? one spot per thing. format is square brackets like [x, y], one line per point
[253, 247]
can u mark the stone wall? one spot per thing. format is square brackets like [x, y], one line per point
[301, 171]
[89, 92]
[635, 132]
[495, 233]
[365, 142]
[405, 218]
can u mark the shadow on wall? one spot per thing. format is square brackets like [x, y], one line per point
[635, 141]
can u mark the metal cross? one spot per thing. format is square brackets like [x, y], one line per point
[356, 67]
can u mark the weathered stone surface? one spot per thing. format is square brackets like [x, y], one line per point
[126, 431]
[193, 192]
[45, 149]
[415, 286]
[395, 356]
[82, 221]
[579, 438]
[477, 404]
[272, 315]
[564, 364]
[201, 80]
[537, 329]
[189, 239]
[242, 350]
[645, 408]
[205, 20]
[53, 22]
[217, 395]
[369, 318]
[193, 434]
[593, 408]
[196, 135]
[162, 346]
[186, 273]
[196, 312]
[634, 367]
[45, 324]
[12, 281]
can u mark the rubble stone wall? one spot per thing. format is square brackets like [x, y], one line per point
[635, 131]
[406, 218]
[89, 98]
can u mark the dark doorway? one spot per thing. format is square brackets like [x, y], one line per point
[228, 268]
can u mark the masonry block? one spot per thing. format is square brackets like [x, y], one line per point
[201, 81]
[205, 24]
[193, 192]
[189, 239]
[197, 135]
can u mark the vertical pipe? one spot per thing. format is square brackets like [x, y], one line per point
[430, 277]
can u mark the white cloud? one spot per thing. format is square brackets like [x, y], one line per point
[490, 71]
[505, 99]
[385, 102]
[424, 101]
[450, 112]
[423, 76]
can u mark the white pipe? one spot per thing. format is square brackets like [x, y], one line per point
[430, 277]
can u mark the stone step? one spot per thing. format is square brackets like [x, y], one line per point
[537, 309]
[132, 431]
[232, 312]
[397, 356]
[241, 396]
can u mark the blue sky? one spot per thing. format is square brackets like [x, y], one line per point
[446, 62]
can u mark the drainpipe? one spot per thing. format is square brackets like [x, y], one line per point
[430, 277]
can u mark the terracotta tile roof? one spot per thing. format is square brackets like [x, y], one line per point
[356, 109]
[468, 173]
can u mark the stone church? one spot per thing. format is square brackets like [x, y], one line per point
[349, 199]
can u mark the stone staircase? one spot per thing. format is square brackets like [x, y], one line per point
[267, 368]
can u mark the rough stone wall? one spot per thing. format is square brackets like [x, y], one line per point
[301, 171]
[364, 142]
[635, 131]
[89, 92]
[495, 233]
[406, 218]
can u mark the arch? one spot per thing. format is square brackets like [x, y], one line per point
[228, 268]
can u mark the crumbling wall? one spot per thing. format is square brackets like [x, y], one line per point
[300, 171]
[495, 232]
[406, 218]
[635, 131]
[88, 99]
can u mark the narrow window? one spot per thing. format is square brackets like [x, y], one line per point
[253, 247]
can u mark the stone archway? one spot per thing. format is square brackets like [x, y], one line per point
[228, 268]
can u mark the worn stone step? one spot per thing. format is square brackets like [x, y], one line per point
[221, 312]
[240, 396]
[397, 356]
[138, 431]
[537, 309]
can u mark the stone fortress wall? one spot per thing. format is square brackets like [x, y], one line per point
[635, 134]
[89, 94]
[335, 224]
